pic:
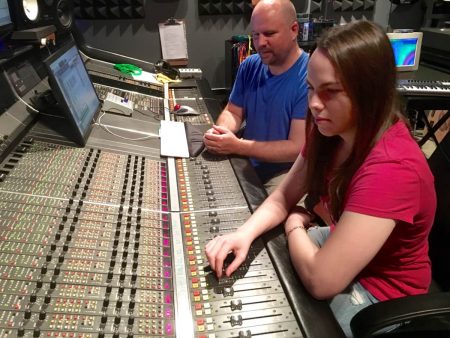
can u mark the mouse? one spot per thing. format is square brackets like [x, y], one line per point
[185, 110]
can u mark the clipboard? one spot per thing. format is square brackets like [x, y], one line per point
[172, 34]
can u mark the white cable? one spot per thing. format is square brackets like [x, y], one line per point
[120, 136]
[17, 95]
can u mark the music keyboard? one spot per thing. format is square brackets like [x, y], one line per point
[423, 88]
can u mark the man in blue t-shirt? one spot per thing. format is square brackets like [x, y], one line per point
[269, 95]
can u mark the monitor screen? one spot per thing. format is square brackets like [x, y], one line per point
[5, 17]
[406, 47]
[73, 90]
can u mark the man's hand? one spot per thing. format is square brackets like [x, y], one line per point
[222, 141]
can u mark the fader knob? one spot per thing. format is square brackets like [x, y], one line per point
[236, 304]
[27, 314]
[246, 334]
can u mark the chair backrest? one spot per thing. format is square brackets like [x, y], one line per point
[440, 234]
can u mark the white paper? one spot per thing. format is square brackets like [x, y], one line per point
[173, 139]
[173, 40]
[147, 77]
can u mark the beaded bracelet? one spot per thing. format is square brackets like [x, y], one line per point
[294, 228]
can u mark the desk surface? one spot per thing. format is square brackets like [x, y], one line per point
[424, 73]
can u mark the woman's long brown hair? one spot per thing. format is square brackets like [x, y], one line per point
[363, 59]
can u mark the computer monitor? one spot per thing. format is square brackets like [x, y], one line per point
[406, 48]
[73, 90]
[5, 17]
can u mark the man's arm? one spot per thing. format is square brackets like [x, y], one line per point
[231, 117]
[222, 141]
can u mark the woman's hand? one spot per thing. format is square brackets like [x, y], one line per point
[298, 216]
[218, 249]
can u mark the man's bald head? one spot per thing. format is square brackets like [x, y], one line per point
[283, 8]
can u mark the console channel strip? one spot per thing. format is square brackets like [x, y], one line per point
[249, 303]
[208, 182]
[85, 247]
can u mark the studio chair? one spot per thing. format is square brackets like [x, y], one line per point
[424, 316]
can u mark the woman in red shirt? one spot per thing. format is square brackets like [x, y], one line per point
[362, 162]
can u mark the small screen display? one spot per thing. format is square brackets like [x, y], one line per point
[406, 48]
[404, 51]
[5, 18]
[73, 89]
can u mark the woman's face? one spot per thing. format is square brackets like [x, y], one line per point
[329, 103]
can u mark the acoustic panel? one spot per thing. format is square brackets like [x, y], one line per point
[109, 9]
[224, 7]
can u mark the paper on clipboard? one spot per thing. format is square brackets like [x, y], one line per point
[172, 34]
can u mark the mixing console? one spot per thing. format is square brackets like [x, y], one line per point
[107, 240]
[87, 244]
[110, 77]
[141, 102]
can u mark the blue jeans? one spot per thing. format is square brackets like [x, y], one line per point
[351, 300]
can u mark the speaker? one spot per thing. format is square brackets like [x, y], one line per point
[28, 14]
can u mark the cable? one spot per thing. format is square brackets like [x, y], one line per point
[120, 136]
[389, 18]
[17, 96]
[157, 116]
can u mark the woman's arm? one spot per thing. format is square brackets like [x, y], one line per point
[353, 243]
[271, 213]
